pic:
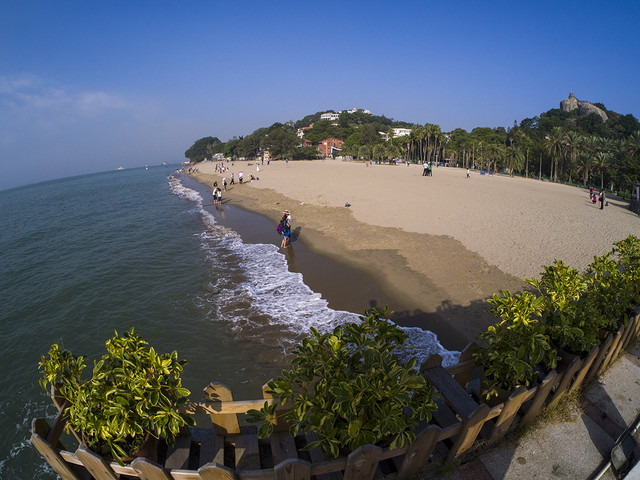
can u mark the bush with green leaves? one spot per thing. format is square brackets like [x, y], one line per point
[568, 317]
[516, 344]
[351, 388]
[133, 392]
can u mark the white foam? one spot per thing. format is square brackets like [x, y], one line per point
[254, 290]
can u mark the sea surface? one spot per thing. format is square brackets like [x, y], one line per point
[85, 256]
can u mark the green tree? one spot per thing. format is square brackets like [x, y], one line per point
[199, 150]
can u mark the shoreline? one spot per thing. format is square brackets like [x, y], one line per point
[454, 307]
[438, 246]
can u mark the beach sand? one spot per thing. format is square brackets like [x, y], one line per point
[439, 246]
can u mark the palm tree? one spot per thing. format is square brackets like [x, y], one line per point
[555, 144]
[364, 152]
[513, 159]
[378, 151]
[601, 162]
[584, 165]
[572, 141]
[632, 146]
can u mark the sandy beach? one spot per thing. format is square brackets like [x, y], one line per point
[441, 245]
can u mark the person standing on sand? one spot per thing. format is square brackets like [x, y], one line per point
[224, 183]
[232, 181]
[425, 169]
[285, 221]
[601, 198]
[468, 173]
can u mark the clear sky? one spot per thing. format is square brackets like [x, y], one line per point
[88, 86]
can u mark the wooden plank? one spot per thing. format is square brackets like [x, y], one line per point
[283, 446]
[362, 463]
[466, 357]
[628, 333]
[318, 456]
[247, 452]
[565, 381]
[540, 397]
[469, 432]
[455, 395]
[622, 332]
[178, 455]
[231, 407]
[444, 416]
[508, 414]
[419, 452]
[614, 346]
[98, 467]
[602, 353]
[211, 446]
[224, 424]
[57, 427]
[214, 471]
[586, 365]
[148, 470]
[293, 469]
[39, 430]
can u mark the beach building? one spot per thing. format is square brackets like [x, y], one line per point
[306, 143]
[329, 116]
[401, 132]
[328, 146]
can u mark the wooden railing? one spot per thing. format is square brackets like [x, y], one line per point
[231, 450]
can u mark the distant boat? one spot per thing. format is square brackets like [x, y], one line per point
[120, 168]
[165, 163]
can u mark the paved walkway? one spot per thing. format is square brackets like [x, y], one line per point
[577, 447]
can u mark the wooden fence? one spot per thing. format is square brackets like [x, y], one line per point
[230, 450]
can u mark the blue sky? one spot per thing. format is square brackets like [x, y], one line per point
[87, 86]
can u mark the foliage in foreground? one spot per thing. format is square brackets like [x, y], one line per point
[133, 392]
[570, 312]
[350, 388]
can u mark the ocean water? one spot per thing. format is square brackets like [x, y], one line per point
[84, 256]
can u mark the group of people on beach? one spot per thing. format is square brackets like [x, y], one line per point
[217, 192]
[597, 197]
[426, 169]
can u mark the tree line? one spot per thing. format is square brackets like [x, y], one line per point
[557, 145]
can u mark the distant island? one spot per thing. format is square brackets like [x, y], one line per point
[580, 142]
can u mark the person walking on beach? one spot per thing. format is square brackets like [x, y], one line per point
[285, 223]
[425, 169]
[468, 176]
[232, 182]
[219, 196]
[224, 183]
[601, 198]
[240, 175]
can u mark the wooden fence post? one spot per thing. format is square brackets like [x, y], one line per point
[508, 414]
[586, 365]
[467, 354]
[39, 431]
[419, 452]
[469, 431]
[595, 368]
[293, 469]
[97, 466]
[362, 463]
[213, 471]
[226, 423]
[149, 470]
[539, 398]
[614, 347]
[567, 376]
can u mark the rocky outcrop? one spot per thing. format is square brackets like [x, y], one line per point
[584, 108]
[569, 104]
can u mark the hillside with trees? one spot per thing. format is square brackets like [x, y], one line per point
[558, 145]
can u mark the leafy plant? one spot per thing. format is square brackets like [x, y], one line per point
[567, 315]
[133, 392]
[350, 388]
[516, 344]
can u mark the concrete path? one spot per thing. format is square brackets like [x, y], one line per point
[579, 445]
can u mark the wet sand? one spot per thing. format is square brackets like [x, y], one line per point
[433, 248]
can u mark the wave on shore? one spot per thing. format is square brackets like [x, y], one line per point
[252, 289]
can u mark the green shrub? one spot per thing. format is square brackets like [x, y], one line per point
[516, 344]
[350, 388]
[133, 392]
